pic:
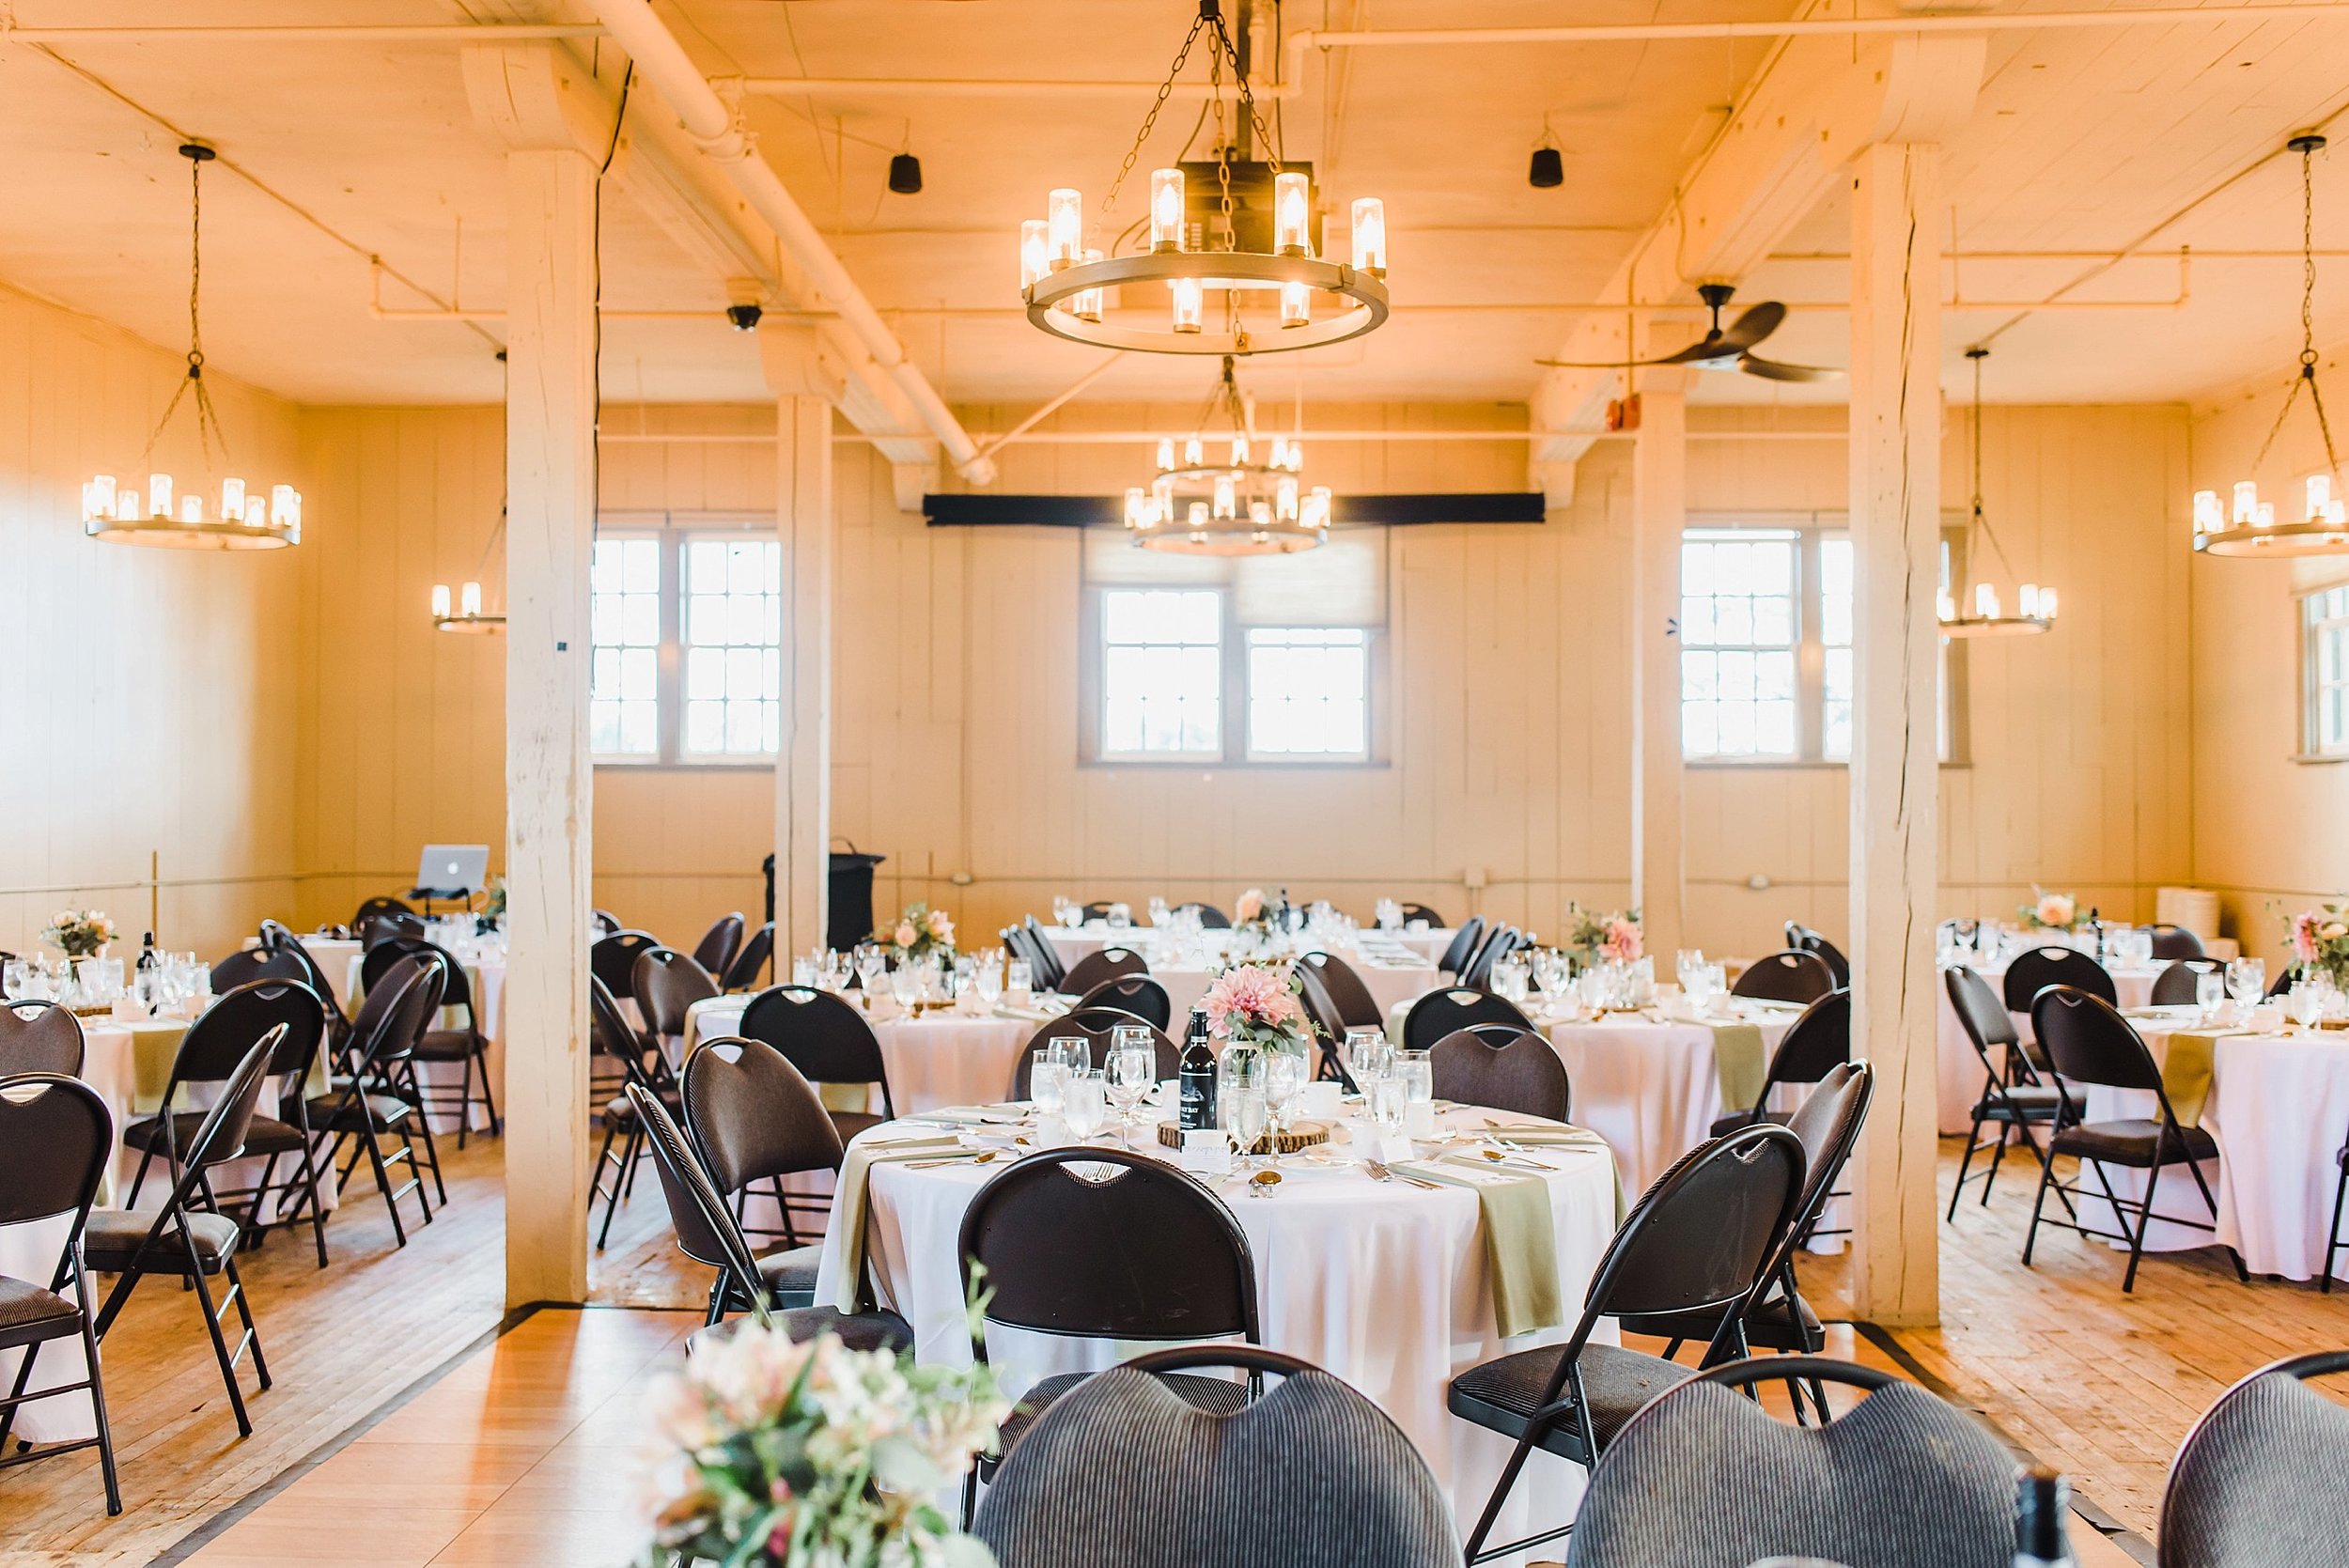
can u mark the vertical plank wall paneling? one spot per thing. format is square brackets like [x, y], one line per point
[955, 722]
[150, 695]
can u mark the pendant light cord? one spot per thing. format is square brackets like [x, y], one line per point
[1981, 518]
[207, 428]
[2307, 327]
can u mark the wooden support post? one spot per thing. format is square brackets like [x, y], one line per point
[802, 381]
[1659, 501]
[1895, 529]
[551, 516]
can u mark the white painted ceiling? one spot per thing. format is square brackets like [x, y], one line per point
[2083, 141]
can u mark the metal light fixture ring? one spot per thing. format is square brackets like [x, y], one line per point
[1212, 268]
[2273, 539]
[171, 534]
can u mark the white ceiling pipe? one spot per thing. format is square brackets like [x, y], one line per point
[230, 31]
[1119, 438]
[672, 72]
[942, 86]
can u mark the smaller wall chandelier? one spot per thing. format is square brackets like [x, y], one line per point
[159, 513]
[2249, 527]
[1212, 282]
[1245, 505]
[2034, 606]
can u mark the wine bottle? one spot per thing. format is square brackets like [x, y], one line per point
[1196, 1077]
[148, 957]
[2040, 1500]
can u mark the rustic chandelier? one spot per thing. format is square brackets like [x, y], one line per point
[2249, 527]
[1212, 274]
[2036, 607]
[246, 519]
[1245, 505]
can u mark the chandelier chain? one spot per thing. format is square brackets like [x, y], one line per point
[1150, 120]
[2308, 328]
[1981, 518]
[208, 428]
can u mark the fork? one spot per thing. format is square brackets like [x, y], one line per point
[1380, 1174]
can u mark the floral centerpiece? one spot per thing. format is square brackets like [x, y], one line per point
[2320, 942]
[2049, 911]
[1258, 1004]
[1603, 937]
[775, 1454]
[921, 933]
[79, 933]
[1250, 913]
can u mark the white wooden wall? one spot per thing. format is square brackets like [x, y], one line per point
[147, 697]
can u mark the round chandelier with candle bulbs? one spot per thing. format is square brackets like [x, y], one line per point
[2248, 525]
[163, 513]
[1986, 616]
[1223, 296]
[1253, 502]
[464, 612]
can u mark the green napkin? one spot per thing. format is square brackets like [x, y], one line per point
[1521, 1241]
[848, 1204]
[2186, 1069]
[1739, 1063]
[155, 1046]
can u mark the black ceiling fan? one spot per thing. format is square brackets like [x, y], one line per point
[1725, 349]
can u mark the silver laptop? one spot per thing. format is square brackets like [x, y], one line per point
[447, 870]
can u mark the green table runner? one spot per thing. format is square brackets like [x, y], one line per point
[1737, 1061]
[1521, 1241]
[848, 1204]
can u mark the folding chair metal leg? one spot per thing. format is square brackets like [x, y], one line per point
[628, 1167]
[220, 1350]
[374, 1152]
[2144, 1223]
[2333, 1243]
[2039, 1202]
[489, 1101]
[1973, 1141]
[96, 1393]
[23, 1376]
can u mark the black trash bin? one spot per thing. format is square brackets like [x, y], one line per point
[851, 893]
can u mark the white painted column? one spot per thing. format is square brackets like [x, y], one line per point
[805, 525]
[1895, 524]
[1659, 502]
[550, 507]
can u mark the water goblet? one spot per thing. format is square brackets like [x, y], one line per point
[2247, 979]
[1285, 1076]
[1132, 1068]
[1084, 1105]
[990, 981]
[1072, 1052]
[2307, 1003]
[1249, 1113]
[905, 984]
[1366, 1052]
[2210, 993]
[1019, 978]
[1048, 1082]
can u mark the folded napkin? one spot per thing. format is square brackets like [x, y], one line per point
[1520, 1240]
[848, 1206]
[1547, 1134]
[1737, 1062]
[155, 1046]
[2186, 1069]
[978, 1115]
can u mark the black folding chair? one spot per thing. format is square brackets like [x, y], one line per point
[2013, 1100]
[1137, 994]
[378, 1100]
[1792, 975]
[1336, 1000]
[1501, 942]
[1097, 968]
[827, 1041]
[2179, 983]
[55, 1136]
[708, 1233]
[2033, 971]
[1210, 918]
[754, 1119]
[1698, 1239]
[1098, 1027]
[2174, 941]
[721, 942]
[1803, 939]
[1504, 1067]
[1463, 946]
[1454, 1008]
[465, 1046]
[744, 973]
[2263, 1479]
[189, 1238]
[609, 1036]
[1051, 974]
[612, 960]
[667, 984]
[39, 1037]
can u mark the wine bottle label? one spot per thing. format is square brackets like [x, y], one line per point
[1198, 1100]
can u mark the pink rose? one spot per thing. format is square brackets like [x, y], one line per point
[1621, 942]
[907, 936]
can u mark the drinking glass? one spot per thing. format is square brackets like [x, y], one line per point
[1133, 1067]
[990, 981]
[2210, 992]
[802, 969]
[1060, 911]
[966, 976]
[871, 964]
[2247, 979]
[1019, 977]
[1158, 911]
[1121, 917]
[1248, 1114]
[1387, 1098]
[1048, 1082]
[1366, 1053]
[1084, 1105]
[905, 984]
[1072, 1052]
[1416, 1071]
[1685, 962]
[2307, 1001]
[1283, 1081]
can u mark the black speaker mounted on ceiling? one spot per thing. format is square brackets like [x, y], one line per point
[1548, 169]
[905, 174]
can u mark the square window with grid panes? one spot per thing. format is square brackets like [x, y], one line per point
[2325, 617]
[1309, 693]
[1161, 673]
[732, 639]
[624, 637]
[1739, 632]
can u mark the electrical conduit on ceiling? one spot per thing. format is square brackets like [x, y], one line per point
[711, 125]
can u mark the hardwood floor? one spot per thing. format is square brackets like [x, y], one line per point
[513, 1451]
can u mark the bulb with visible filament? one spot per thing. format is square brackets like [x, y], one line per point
[1064, 218]
[1297, 305]
[1190, 305]
[1035, 252]
[1166, 209]
[1370, 236]
[1292, 207]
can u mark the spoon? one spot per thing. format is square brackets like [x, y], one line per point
[979, 1156]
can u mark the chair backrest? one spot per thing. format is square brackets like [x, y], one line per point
[706, 1230]
[821, 1035]
[744, 969]
[1699, 1237]
[1420, 911]
[666, 983]
[1049, 971]
[1498, 944]
[2263, 1477]
[2174, 941]
[612, 960]
[1121, 1459]
[1138, 994]
[1454, 1008]
[370, 907]
[720, 943]
[1108, 963]
[379, 929]
[753, 1116]
[1802, 937]
[1504, 1067]
[221, 1035]
[1097, 1025]
[1980, 1011]
[1817, 1043]
[220, 1136]
[1790, 975]
[1210, 918]
[611, 1035]
[605, 922]
[248, 964]
[1336, 994]
[2033, 971]
[1147, 1254]
[55, 1137]
[1828, 1125]
[39, 1037]
[2175, 986]
[279, 939]
[1463, 945]
[1902, 1477]
[377, 961]
[418, 984]
[1098, 909]
[2088, 1041]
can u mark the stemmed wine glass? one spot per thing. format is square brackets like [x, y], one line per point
[2247, 979]
[1132, 1068]
[1249, 1113]
[1284, 1081]
[871, 964]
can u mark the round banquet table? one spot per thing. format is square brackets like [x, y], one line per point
[485, 977]
[2278, 1110]
[1647, 1086]
[1958, 1071]
[937, 1059]
[1385, 1284]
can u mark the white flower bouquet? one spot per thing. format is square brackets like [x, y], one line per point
[79, 933]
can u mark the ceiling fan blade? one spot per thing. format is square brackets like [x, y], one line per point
[1755, 324]
[1715, 346]
[1599, 365]
[1771, 370]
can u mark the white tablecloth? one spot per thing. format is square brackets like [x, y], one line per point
[940, 1058]
[1395, 965]
[2278, 1110]
[485, 978]
[1958, 1070]
[1390, 984]
[1385, 1285]
[1650, 1089]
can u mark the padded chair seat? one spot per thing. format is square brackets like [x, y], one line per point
[790, 1274]
[1503, 1396]
[1723, 1125]
[113, 1237]
[850, 1122]
[342, 1113]
[1770, 1326]
[2133, 1142]
[620, 1111]
[449, 1045]
[28, 1312]
[878, 1330]
[266, 1136]
[1219, 1396]
[2036, 1102]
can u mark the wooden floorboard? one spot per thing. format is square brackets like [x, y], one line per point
[509, 1454]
